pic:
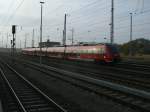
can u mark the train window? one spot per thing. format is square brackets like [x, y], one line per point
[81, 51]
[78, 51]
[94, 51]
[74, 51]
[102, 50]
[99, 50]
[89, 51]
[84, 51]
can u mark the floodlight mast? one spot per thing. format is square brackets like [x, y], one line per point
[41, 32]
[112, 23]
[131, 53]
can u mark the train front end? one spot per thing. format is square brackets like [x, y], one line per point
[111, 54]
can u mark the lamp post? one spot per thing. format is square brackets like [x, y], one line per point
[131, 53]
[41, 33]
[72, 35]
[112, 23]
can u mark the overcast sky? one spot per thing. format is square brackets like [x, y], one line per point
[90, 20]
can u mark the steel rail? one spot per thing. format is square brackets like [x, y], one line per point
[142, 64]
[118, 90]
[143, 95]
[127, 80]
[134, 71]
[135, 64]
[139, 93]
[35, 88]
[133, 91]
[14, 93]
[103, 73]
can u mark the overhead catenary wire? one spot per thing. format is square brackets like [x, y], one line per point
[7, 12]
[143, 3]
[106, 20]
[88, 21]
[13, 14]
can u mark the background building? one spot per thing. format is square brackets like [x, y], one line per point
[49, 44]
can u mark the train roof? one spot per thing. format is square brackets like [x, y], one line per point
[86, 44]
[90, 45]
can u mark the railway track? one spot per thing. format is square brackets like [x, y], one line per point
[139, 67]
[28, 97]
[126, 68]
[131, 80]
[128, 80]
[9, 105]
[134, 98]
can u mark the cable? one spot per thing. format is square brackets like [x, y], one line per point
[134, 25]
[137, 5]
[142, 6]
[88, 5]
[11, 17]
[7, 12]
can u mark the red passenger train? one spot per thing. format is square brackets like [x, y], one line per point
[99, 53]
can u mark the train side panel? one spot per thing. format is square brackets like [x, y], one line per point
[105, 53]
